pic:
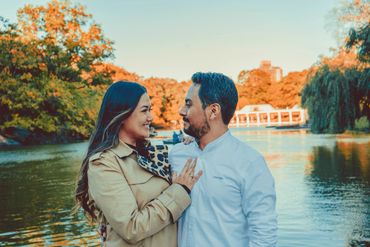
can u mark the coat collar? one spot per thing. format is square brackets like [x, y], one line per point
[122, 150]
[157, 162]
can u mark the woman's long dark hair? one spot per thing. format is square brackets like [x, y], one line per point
[119, 101]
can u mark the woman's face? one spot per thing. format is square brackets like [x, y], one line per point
[136, 126]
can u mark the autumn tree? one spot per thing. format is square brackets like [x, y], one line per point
[286, 93]
[254, 86]
[43, 58]
[69, 38]
[349, 14]
[167, 96]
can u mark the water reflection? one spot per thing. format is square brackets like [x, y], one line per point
[38, 201]
[338, 181]
[345, 161]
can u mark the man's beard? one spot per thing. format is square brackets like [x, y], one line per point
[197, 133]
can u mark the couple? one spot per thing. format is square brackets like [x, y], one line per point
[215, 191]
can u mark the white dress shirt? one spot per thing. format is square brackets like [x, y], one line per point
[233, 203]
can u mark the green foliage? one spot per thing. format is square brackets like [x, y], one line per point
[48, 107]
[334, 99]
[362, 124]
[361, 39]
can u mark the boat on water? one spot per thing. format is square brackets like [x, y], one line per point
[294, 126]
[176, 138]
[170, 141]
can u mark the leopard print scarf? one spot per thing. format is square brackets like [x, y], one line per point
[157, 162]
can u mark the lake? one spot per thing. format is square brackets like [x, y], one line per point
[322, 185]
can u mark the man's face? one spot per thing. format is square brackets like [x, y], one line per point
[193, 114]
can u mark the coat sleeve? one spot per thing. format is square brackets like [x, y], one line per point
[113, 196]
[258, 202]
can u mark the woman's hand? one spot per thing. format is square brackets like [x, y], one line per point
[186, 177]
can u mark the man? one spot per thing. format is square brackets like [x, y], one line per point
[233, 203]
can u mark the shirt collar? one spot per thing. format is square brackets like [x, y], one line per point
[216, 141]
[122, 149]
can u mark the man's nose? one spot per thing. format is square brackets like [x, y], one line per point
[182, 111]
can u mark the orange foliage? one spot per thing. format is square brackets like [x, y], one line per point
[167, 96]
[254, 89]
[343, 60]
[61, 23]
[257, 88]
[116, 73]
[286, 93]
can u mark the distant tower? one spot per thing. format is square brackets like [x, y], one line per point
[276, 73]
[265, 65]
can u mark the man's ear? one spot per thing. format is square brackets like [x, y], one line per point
[215, 110]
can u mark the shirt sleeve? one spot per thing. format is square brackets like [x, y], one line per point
[113, 196]
[258, 202]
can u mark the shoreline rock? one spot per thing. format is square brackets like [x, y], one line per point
[16, 136]
[8, 142]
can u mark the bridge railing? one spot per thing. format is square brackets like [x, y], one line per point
[269, 118]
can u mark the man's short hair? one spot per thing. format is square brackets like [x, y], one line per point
[217, 88]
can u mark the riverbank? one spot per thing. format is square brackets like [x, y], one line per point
[16, 136]
[20, 137]
[356, 132]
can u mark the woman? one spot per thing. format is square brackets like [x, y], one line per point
[124, 183]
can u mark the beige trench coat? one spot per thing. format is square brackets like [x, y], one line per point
[140, 209]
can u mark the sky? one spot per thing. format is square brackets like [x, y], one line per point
[174, 39]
